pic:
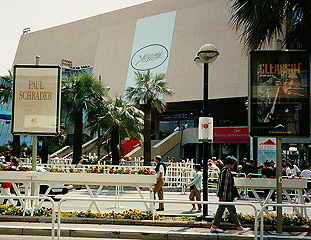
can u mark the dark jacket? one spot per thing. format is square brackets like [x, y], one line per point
[226, 187]
[268, 172]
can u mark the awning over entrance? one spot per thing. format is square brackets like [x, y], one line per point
[5, 115]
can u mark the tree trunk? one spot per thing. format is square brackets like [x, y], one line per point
[77, 136]
[115, 145]
[16, 145]
[44, 152]
[147, 134]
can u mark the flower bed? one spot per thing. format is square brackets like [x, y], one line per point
[134, 214]
[88, 169]
[287, 219]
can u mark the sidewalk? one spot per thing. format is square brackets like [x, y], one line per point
[112, 230]
[100, 231]
[170, 209]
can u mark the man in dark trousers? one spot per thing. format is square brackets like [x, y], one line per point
[267, 172]
[160, 170]
[227, 191]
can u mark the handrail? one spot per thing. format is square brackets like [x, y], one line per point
[34, 198]
[152, 202]
[261, 215]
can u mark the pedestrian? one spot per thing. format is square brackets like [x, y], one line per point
[7, 157]
[6, 191]
[227, 191]
[196, 187]
[80, 162]
[160, 170]
[252, 167]
[306, 173]
[245, 164]
[289, 170]
[219, 164]
[14, 166]
[296, 170]
[267, 172]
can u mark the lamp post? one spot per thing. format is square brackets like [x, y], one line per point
[207, 54]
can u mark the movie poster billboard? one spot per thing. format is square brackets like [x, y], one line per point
[36, 100]
[279, 93]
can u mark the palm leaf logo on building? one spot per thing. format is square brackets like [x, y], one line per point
[148, 57]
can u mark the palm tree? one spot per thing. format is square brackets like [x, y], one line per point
[264, 20]
[6, 84]
[119, 120]
[80, 92]
[148, 92]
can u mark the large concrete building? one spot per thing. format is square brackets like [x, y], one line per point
[163, 36]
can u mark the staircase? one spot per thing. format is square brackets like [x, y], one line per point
[159, 147]
[67, 152]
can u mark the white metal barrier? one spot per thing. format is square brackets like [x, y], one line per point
[265, 207]
[32, 209]
[152, 203]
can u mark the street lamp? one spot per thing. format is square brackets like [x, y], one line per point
[207, 54]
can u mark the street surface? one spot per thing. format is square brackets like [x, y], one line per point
[170, 208]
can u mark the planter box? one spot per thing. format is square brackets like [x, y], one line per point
[78, 178]
[270, 183]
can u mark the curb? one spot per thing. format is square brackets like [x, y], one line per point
[159, 223]
[111, 232]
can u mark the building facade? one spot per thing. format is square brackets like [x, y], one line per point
[163, 36]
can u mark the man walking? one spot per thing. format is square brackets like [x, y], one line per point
[227, 191]
[158, 187]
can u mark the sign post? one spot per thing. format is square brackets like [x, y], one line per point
[279, 101]
[36, 103]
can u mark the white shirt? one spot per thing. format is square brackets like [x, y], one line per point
[306, 173]
[161, 170]
[289, 172]
[296, 170]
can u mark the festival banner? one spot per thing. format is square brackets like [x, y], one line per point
[151, 45]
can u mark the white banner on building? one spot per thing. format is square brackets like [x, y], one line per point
[151, 45]
[36, 100]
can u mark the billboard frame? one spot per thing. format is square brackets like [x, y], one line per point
[57, 100]
[273, 111]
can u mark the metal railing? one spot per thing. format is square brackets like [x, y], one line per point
[32, 209]
[259, 214]
[177, 174]
[265, 207]
[152, 202]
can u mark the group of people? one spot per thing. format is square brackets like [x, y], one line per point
[10, 164]
[226, 190]
[268, 169]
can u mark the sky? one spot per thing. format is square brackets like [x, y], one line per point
[40, 14]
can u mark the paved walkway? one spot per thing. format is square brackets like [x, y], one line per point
[16, 230]
[99, 231]
[170, 208]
